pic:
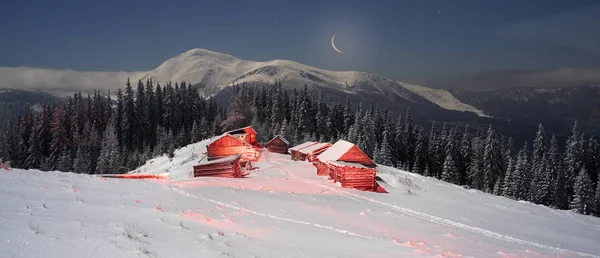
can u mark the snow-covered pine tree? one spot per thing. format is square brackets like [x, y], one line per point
[539, 146]
[540, 184]
[597, 199]
[492, 169]
[170, 143]
[572, 159]
[465, 155]
[65, 162]
[507, 189]
[385, 152]
[59, 137]
[519, 184]
[109, 161]
[35, 155]
[195, 132]
[475, 173]
[128, 121]
[82, 161]
[557, 176]
[376, 156]
[583, 193]
[450, 172]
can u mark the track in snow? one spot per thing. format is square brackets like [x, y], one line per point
[235, 207]
[432, 218]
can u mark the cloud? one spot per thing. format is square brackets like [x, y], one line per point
[63, 80]
[493, 80]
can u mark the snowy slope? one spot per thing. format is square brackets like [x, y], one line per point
[281, 210]
[442, 98]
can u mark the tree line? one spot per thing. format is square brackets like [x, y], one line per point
[99, 135]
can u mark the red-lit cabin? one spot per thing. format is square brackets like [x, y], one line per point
[347, 164]
[246, 134]
[224, 167]
[311, 152]
[228, 145]
[294, 151]
[278, 145]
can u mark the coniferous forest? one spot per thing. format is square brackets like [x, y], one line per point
[96, 134]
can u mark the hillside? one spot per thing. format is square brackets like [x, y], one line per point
[281, 210]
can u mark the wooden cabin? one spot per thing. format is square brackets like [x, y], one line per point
[228, 145]
[352, 175]
[346, 163]
[246, 134]
[278, 145]
[223, 167]
[294, 151]
[311, 152]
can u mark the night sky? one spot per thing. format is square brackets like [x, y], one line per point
[419, 41]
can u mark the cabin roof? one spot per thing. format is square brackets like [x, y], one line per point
[303, 145]
[281, 138]
[225, 135]
[348, 164]
[336, 151]
[243, 130]
[312, 148]
[216, 161]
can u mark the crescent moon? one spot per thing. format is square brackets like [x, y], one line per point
[333, 45]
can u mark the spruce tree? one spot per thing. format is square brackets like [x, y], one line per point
[507, 185]
[597, 199]
[385, 151]
[583, 193]
[540, 185]
[128, 122]
[572, 159]
[450, 172]
[109, 161]
[59, 137]
[35, 155]
[65, 162]
[196, 135]
[520, 183]
[492, 170]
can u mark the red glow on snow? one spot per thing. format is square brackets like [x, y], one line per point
[159, 208]
[140, 176]
[74, 188]
[138, 201]
[450, 235]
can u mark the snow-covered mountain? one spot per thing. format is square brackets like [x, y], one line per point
[282, 209]
[215, 71]
[442, 98]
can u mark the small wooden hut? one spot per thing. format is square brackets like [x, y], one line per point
[294, 151]
[228, 145]
[311, 152]
[278, 145]
[246, 134]
[223, 167]
[347, 164]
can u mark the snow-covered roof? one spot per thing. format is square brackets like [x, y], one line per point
[242, 130]
[312, 148]
[336, 151]
[225, 159]
[350, 164]
[281, 138]
[301, 146]
[224, 135]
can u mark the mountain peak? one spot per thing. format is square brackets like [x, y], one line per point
[205, 53]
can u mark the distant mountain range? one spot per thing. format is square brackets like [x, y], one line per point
[512, 111]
